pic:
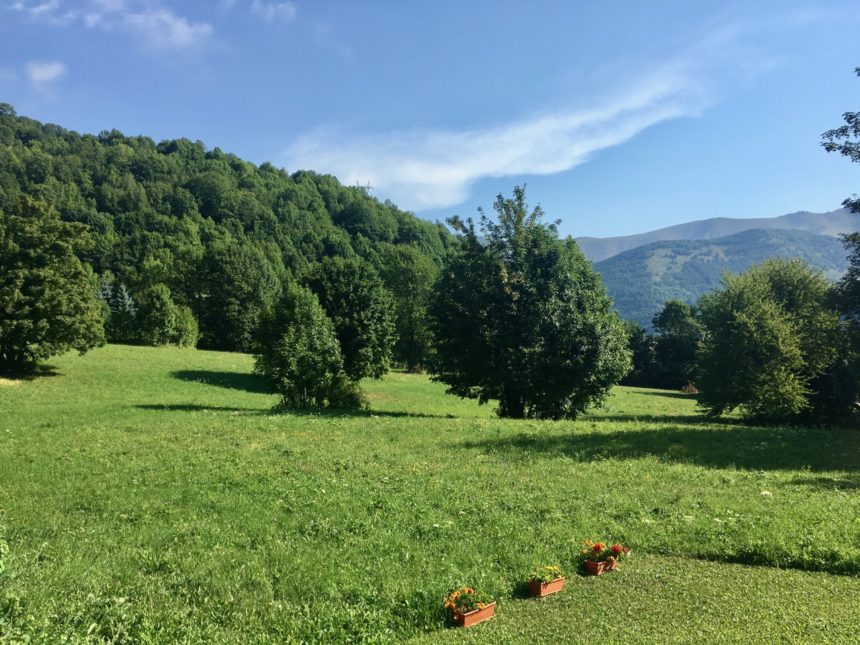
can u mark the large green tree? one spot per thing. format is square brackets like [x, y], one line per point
[839, 389]
[520, 316]
[48, 303]
[769, 334]
[354, 297]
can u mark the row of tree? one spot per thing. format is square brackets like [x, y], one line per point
[777, 342]
[326, 290]
[191, 245]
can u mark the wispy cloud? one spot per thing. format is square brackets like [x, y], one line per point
[154, 25]
[273, 11]
[435, 169]
[42, 73]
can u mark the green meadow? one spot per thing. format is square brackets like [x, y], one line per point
[153, 495]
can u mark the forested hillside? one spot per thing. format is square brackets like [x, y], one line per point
[176, 224]
[642, 279]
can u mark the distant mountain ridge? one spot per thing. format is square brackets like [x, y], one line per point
[642, 279]
[832, 223]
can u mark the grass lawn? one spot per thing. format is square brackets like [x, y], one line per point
[151, 495]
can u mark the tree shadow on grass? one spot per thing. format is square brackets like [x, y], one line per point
[191, 407]
[663, 419]
[669, 394]
[37, 372]
[745, 448]
[247, 382]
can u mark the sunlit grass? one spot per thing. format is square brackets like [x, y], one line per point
[152, 494]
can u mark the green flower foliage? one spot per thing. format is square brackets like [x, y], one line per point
[520, 316]
[48, 303]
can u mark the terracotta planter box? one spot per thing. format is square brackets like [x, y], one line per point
[541, 589]
[474, 617]
[599, 568]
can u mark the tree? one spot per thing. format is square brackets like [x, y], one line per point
[846, 141]
[769, 335]
[520, 316]
[353, 296]
[162, 322]
[298, 352]
[642, 347]
[838, 390]
[409, 275]
[121, 310]
[679, 333]
[48, 302]
[237, 282]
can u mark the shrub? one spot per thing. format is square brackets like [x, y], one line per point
[299, 355]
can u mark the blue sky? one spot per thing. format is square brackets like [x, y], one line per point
[621, 118]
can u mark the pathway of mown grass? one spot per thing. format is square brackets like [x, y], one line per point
[161, 477]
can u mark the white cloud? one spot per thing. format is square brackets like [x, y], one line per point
[434, 169]
[272, 11]
[163, 29]
[154, 25]
[42, 73]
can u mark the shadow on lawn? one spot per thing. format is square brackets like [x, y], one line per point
[715, 447]
[667, 394]
[663, 419]
[191, 407]
[247, 382]
[188, 407]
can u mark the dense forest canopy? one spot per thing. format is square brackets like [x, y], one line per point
[217, 231]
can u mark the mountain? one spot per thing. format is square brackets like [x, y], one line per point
[642, 279]
[833, 223]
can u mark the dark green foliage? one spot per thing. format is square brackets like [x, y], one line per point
[519, 316]
[237, 282]
[409, 276]
[769, 335]
[846, 141]
[642, 353]
[641, 280]
[362, 311]
[48, 302]
[298, 353]
[161, 322]
[219, 232]
[121, 323]
[679, 333]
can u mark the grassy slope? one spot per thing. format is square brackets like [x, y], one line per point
[150, 494]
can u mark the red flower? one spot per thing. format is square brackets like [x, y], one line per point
[616, 548]
[598, 547]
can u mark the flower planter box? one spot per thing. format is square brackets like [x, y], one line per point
[599, 568]
[473, 617]
[541, 589]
